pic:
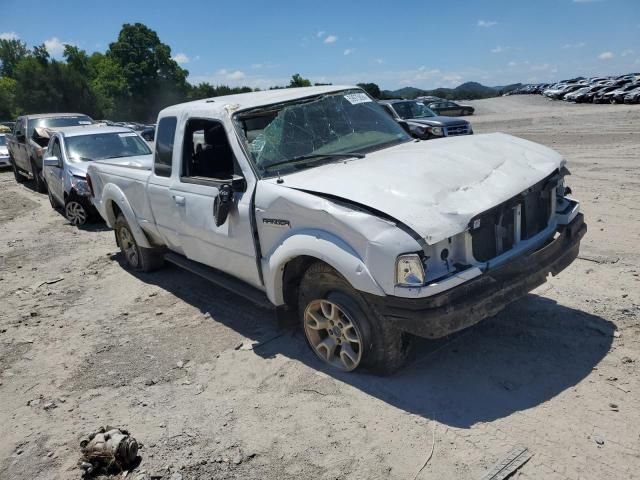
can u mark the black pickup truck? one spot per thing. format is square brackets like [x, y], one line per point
[27, 143]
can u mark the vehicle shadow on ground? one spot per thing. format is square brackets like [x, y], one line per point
[529, 353]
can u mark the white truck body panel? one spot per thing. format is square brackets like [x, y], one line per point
[357, 215]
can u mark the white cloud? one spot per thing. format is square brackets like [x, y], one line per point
[626, 53]
[379, 61]
[321, 33]
[486, 23]
[55, 47]
[498, 49]
[331, 39]
[574, 45]
[231, 74]
[540, 68]
[606, 56]
[9, 36]
[181, 58]
[513, 64]
[349, 51]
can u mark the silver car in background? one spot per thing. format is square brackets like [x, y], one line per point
[4, 151]
[69, 154]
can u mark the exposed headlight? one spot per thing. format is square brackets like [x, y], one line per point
[436, 131]
[80, 185]
[409, 271]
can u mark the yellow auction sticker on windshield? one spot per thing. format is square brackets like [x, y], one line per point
[355, 98]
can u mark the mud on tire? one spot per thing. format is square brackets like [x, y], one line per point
[136, 257]
[384, 349]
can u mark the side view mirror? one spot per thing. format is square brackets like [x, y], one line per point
[222, 204]
[52, 162]
[20, 137]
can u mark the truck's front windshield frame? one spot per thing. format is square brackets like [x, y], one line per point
[318, 129]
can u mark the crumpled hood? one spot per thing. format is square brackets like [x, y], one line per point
[79, 169]
[435, 188]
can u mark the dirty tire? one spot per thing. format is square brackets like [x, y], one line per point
[384, 349]
[137, 258]
[16, 173]
[39, 184]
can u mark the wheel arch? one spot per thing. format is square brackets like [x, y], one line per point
[116, 203]
[284, 268]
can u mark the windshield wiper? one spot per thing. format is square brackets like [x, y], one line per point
[316, 155]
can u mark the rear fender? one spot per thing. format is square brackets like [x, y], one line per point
[112, 195]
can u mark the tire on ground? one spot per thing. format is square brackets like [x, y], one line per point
[41, 187]
[385, 349]
[140, 258]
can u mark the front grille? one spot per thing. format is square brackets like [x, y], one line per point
[457, 130]
[498, 230]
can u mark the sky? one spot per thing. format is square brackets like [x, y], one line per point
[424, 44]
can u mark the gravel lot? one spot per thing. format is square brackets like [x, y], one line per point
[157, 353]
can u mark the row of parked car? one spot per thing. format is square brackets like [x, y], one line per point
[319, 202]
[55, 149]
[620, 89]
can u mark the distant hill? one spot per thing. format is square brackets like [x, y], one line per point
[466, 91]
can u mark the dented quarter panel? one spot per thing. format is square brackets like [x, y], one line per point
[436, 188]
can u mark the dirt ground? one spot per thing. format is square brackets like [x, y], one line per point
[158, 353]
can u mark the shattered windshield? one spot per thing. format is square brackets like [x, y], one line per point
[105, 145]
[309, 131]
[408, 110]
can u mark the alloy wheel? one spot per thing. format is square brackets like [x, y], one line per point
[129, 247]
[333, 335]
[75, 212]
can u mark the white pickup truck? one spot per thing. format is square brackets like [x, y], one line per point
[316, 201]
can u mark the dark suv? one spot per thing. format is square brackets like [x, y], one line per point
[422, 122]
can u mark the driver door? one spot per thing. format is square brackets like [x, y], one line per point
[54, 176]
[229, 246]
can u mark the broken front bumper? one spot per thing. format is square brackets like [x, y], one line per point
[486, 295]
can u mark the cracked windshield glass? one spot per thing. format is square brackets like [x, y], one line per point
[311, 131]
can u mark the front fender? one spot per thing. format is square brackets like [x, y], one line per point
[324, 246]
[111, 194]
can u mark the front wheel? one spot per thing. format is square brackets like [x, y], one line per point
[342, 329]
[75, 212]
[16, 173]
[138, 258]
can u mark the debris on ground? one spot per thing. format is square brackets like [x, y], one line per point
[109, 450]
[508, 465]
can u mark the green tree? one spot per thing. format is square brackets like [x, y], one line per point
[154, 79]
[11, 52]
[371, 88]
[109, 85]
[298, 81]
[7, 98]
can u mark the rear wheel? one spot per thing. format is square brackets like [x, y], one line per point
[39, 184]
[342, 329]
[138, 258]
[75, 212]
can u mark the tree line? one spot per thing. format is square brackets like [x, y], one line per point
[132, 80]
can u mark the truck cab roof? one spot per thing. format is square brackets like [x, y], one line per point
[243, 101]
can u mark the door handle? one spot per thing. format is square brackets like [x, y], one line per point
[179, 199]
